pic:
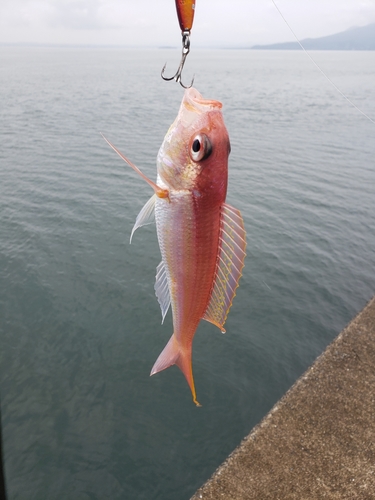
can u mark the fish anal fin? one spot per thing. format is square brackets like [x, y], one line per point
[162, 289]
[160, 192]
[145, 216]
[173, 354]
[230, 262]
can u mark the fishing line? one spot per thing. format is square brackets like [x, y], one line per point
[319, 68]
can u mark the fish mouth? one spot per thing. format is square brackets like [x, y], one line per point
[194, 106]
[193, 99]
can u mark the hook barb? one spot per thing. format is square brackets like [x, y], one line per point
[185, 52]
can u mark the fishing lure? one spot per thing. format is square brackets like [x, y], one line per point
[185, 13]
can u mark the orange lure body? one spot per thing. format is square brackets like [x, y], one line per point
[185, 13]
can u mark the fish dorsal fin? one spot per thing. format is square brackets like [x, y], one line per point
[160, 192]
[162, 290]
[230, 261]
[145, 216]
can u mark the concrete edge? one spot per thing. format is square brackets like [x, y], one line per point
[324, 381]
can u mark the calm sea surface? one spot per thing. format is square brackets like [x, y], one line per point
[79, 322]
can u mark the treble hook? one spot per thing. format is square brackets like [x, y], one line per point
[185, 52]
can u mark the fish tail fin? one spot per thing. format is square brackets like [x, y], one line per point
[173, 354]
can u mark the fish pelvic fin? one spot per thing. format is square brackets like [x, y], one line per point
[145, 216]
[174, 354]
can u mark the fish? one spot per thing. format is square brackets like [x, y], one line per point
[202, 239]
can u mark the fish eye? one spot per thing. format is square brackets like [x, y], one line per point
[201, 147]
[196, 146]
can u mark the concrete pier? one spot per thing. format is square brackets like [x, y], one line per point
[318, 442]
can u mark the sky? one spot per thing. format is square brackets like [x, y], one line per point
[153, 23]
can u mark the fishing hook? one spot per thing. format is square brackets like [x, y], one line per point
[185, 52]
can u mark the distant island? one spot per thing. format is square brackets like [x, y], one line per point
[352, 39]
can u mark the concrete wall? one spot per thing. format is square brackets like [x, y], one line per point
[318, 442]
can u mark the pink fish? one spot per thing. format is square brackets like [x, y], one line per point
[202, 239]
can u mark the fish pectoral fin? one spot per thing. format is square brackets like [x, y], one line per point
[161, 193]
[145, 216]
[173, 354]
[162, 289]
[230, 262]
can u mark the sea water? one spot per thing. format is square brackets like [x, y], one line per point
[80, 326]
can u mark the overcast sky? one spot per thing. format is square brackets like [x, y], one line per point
[154, 22]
